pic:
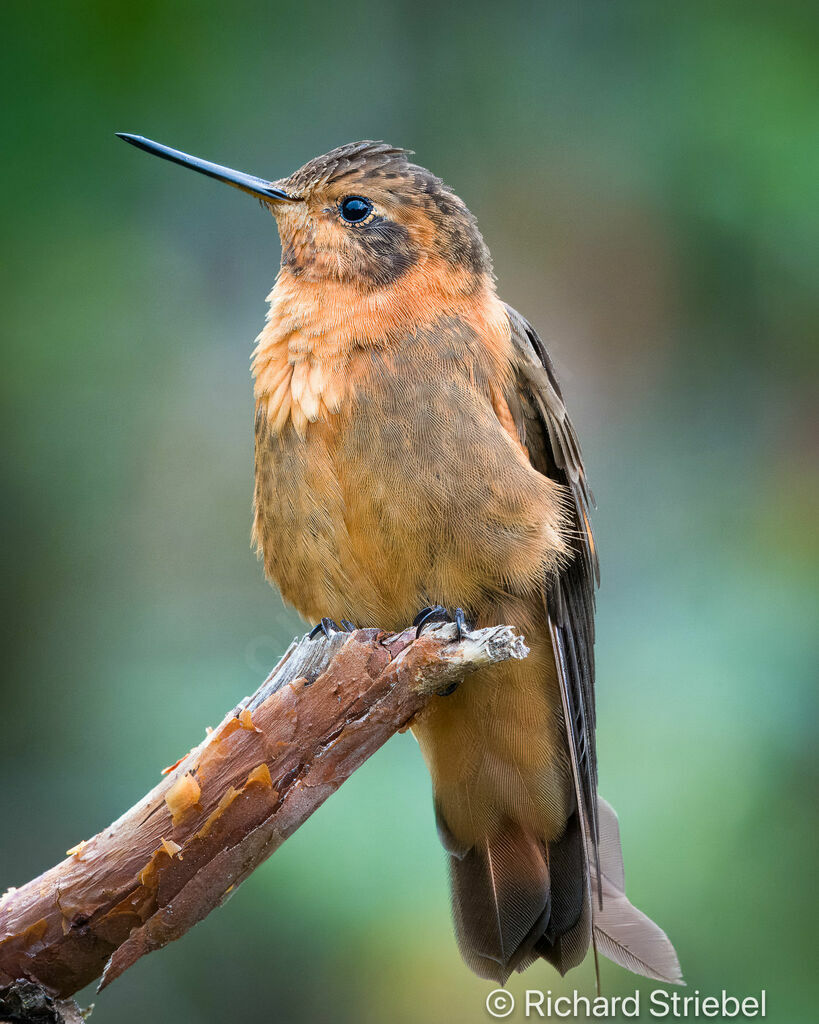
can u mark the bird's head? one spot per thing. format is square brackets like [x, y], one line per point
[375, 251]
[361, 215]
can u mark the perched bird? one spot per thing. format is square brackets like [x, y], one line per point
[414, 455]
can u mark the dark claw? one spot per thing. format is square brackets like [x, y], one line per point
[460, 621]
[326, 626]
[438, 613]
[425, 612]
[349, 626]
[435, 613]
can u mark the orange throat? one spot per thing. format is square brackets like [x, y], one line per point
[302, 360]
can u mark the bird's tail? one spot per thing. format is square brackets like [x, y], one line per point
[622, 932]
[516, 898]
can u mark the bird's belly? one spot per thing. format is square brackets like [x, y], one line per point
[405, 498]
[354, 529]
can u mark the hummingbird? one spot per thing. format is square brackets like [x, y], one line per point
[414, 461]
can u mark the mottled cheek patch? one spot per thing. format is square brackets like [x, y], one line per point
[373, 253]
[386, 251]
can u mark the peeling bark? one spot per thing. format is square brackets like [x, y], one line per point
[231, 802]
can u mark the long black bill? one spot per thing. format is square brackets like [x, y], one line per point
[246, 182]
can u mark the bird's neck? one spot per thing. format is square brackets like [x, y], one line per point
[302, 360]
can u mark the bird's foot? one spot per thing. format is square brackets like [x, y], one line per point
[432, 613]
[329, 626]
[437, 613]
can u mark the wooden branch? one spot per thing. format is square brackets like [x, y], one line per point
[228, 804]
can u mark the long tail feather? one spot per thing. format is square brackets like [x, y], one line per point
[622, 932]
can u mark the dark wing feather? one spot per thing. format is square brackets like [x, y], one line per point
[619, 930]
[555, 451]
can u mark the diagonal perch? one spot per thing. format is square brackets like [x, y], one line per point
[228, 804]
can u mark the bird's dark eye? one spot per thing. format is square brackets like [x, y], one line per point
[355, 208]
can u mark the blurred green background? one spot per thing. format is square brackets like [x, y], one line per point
[645, 175]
